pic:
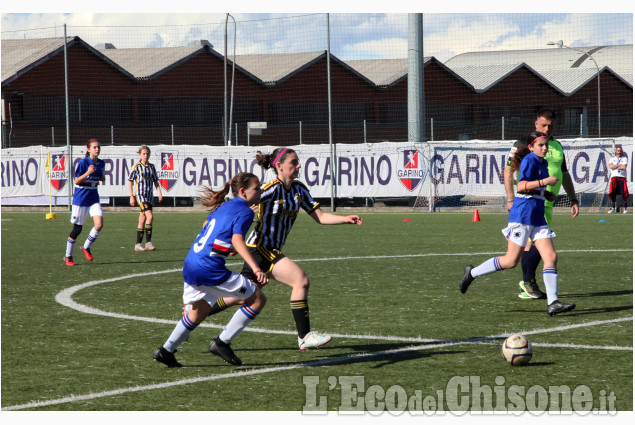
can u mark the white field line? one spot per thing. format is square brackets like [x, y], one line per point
[65, 298]
[324, 362]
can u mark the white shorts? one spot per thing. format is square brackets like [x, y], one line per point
[237, 286]
[520, 233]
[79, 214]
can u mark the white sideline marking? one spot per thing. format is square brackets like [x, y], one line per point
[65, 298]
[323, 362]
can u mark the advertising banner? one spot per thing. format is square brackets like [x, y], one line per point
[360, 170]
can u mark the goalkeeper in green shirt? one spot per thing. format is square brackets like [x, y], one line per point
[545, 123]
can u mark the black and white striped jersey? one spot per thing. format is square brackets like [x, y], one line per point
[145, 177]
[277, 212]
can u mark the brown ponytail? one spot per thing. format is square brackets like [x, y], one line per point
[211, 199]
[267, 161]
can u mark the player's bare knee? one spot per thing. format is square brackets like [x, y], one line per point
[508, 263]
[257, 300]
[303, 282]
[550, 259]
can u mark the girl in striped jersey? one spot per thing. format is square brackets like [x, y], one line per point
[527, 220]
[280, 203]
[206, 276]
[145, 175]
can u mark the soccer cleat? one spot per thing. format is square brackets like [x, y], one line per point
[224, 351]
[313, 340]
[138, 247]
[87, 253]
[69, 261]
[524, 296]
[150, 247]
[531, 290]
[467, 279]
[624, 212]
[559, 307]
[612, 210]
[164, 356]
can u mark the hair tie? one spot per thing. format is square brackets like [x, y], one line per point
[278, 157]
[539, 137]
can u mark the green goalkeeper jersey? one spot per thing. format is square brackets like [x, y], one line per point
[557, 167]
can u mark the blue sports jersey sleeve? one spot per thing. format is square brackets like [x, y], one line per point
[243, 222]
[529, 168]
[81, 168]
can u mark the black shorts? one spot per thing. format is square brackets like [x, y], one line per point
[264, 257]
[145, 206]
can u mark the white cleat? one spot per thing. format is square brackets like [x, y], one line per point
[612, 210]
[313, 340]
[624, 210]
[138, 247]
[150, 247]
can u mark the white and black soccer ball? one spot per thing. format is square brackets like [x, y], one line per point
[517, 350]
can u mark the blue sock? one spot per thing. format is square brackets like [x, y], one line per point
[180, 333]
[529, 263]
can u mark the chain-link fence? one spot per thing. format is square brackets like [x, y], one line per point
[257, 82]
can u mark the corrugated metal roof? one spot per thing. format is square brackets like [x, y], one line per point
[382, 72]
[565, 69]
[145, 63]
[619, 58]
[271, 69]
[570, 80]
[20, 55]
[483, 77]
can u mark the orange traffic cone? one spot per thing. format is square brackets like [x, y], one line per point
[476, 217]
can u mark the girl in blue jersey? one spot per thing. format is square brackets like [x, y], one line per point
[527, 220]
[208, 279]
[282, 199]
[88, 174]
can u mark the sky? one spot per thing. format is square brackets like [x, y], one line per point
[369, 35]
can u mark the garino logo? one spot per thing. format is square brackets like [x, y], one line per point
[410, 174]
[168, 174]
[59, 175]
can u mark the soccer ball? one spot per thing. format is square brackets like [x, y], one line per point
[517, 350]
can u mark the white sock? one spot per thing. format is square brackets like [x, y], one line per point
[70, 245]
[91, 238]
[238, 322]
[490, 266]
[180, 333]
[550, 277]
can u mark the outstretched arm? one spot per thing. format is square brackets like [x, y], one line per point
[327, 218]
